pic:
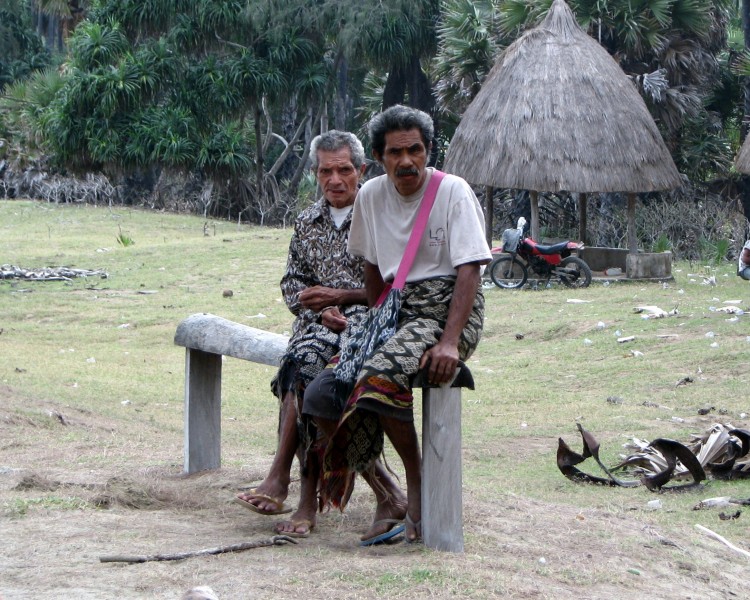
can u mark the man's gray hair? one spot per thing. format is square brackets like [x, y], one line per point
[335, 140]
[399, 118]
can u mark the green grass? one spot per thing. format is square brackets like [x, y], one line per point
[106, 346]
[21, 507]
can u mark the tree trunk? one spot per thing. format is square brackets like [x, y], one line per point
[534, 197]
[745, 195]
[324, 118]
[582, 205]
[489, 211]
[420, 90]
[395, 86]
[259, 160]
[745, 180]
[342, 97]
[746, 83]
[632, 239]
[309, 134]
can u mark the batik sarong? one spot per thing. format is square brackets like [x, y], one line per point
[307, 354]
[383, 385]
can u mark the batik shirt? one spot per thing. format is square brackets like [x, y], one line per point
[318, 256]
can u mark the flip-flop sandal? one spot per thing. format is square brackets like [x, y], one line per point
[296, 534]
[281, 510]
[398, 528]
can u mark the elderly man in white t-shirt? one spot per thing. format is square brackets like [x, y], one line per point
[743, 266]
[442, 308]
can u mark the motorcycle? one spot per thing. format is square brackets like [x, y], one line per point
[521, 255]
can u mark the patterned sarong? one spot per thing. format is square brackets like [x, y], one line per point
[305, 357]
[307, 354]
[383, 385]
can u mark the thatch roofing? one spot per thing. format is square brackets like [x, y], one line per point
[556, 113]
[742, 162]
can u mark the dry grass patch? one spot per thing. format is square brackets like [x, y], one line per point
[91, 450]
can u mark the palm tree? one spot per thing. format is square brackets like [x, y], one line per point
[56, 19]
[140, 77]
[469, 40]
[20, 47]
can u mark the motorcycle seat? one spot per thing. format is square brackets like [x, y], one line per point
[552, 248]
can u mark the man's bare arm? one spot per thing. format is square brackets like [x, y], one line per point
[442, 359]
[374, 283]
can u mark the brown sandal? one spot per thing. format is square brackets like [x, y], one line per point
[296, 523]
[281, 508]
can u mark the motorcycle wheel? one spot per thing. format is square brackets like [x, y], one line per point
[508, 273]
[574, 272]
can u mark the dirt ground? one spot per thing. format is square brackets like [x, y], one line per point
[57, 519]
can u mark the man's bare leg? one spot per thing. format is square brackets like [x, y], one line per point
[391, 500]
[276, 483]
[403, 436]
[303, 520]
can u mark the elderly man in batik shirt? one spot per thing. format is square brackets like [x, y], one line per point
[323, 287]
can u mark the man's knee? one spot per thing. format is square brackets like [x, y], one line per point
[321, 399]
[744, 273]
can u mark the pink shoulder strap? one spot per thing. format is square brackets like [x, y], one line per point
[416, 235]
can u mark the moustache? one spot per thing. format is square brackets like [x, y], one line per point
[402, 172]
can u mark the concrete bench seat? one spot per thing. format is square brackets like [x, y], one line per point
[207, 338]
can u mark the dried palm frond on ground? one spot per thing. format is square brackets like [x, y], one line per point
[657, 463]
[48, 273]
[717, 450]
[567, 459]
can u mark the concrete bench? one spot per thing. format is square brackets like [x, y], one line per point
[207, 338]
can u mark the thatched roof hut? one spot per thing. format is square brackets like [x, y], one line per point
[742, 162]
[556, 113]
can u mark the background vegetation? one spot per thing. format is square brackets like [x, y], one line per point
[210, 105]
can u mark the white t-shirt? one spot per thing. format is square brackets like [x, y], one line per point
[383, 220]
[741, 265]
[339, 214]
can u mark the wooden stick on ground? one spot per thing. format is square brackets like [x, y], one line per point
[276, 540]
[723, 540]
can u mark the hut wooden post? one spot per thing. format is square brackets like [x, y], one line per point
[632, 239]
[534, 200]
[582, 204]
[489, 212]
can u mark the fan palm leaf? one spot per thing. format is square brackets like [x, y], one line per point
[93, 44]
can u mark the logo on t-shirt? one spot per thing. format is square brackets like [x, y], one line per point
[437, 237]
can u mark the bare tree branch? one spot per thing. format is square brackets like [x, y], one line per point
[289, 147]
[276, 540]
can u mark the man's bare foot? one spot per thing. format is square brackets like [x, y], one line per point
[299, 525]
[387, 515]
[268, 498]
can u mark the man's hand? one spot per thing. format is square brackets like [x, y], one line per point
[441, 361]
[318, 297]
[333, 319]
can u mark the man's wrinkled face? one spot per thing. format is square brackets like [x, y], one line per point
[405, 160]
[338, 177]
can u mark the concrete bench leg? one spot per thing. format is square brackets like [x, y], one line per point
[442, 506]
[202, 411]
